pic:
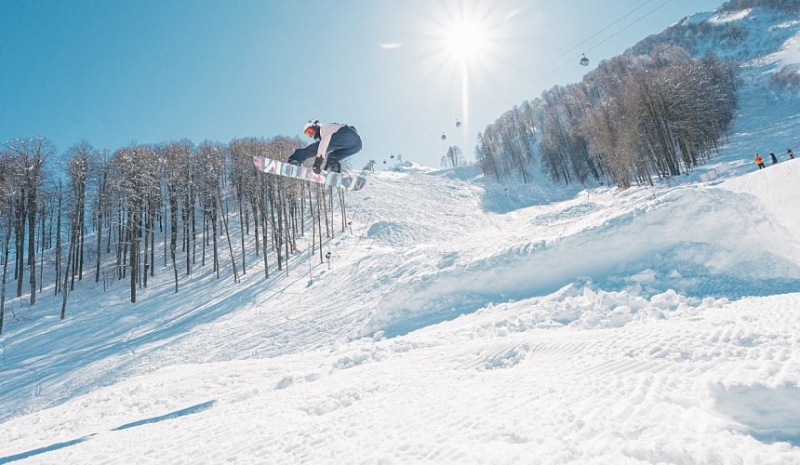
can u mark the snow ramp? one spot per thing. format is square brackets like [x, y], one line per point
[697, 240]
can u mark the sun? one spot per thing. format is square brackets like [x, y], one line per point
[465, 48]
[466, 33]
[466, 39]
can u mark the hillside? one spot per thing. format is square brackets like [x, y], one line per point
[457, 321]
[650, 353]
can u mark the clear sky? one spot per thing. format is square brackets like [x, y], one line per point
[116, 72]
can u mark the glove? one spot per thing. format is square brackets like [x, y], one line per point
[318, 164]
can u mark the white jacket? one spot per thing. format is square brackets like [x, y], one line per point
[326, 131]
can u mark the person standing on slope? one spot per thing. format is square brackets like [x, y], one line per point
[759, 161]
[335, 142]
[790, 153]
[774, 158]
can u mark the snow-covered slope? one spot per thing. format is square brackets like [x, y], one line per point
[618, 365]
[457, 322]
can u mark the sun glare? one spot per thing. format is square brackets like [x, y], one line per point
[466, 44]
[466, 31]
[466, 39]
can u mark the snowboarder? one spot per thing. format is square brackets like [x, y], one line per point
[790, 153]
[759, 161]
[774, 158]
[335, 142]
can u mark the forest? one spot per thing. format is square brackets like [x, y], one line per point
[633, 119]
[92, 214]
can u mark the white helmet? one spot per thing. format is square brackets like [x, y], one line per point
[310, 128]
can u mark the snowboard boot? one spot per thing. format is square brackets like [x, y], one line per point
[333, 165]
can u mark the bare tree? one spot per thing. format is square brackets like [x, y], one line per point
[176, 158]
[211, 156]
[6, 227]
[79, 159]
[135, 178]
[102, 204]
[27, 158]
[453, 158]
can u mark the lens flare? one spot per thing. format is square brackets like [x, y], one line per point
[467, 43]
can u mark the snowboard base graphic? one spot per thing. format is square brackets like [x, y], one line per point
[329, 178]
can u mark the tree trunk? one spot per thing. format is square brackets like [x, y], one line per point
[32, 242]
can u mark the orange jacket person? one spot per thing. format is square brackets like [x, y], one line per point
[759, 161]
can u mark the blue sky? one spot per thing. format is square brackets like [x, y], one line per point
[117, 72]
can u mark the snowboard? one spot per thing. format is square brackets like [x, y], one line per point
[329, 178]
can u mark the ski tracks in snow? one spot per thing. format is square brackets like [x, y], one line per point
[640, 374]
[537, 393]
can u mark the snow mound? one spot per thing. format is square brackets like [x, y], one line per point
[391, 232]
[697, 240]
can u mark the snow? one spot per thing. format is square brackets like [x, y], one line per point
[731, 16]
[457, 322]
[790, 54]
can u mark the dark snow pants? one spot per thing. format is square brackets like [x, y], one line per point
[344, 142]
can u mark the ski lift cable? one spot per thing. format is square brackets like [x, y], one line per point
[629, 25]
[605, 28]
[571, 60]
